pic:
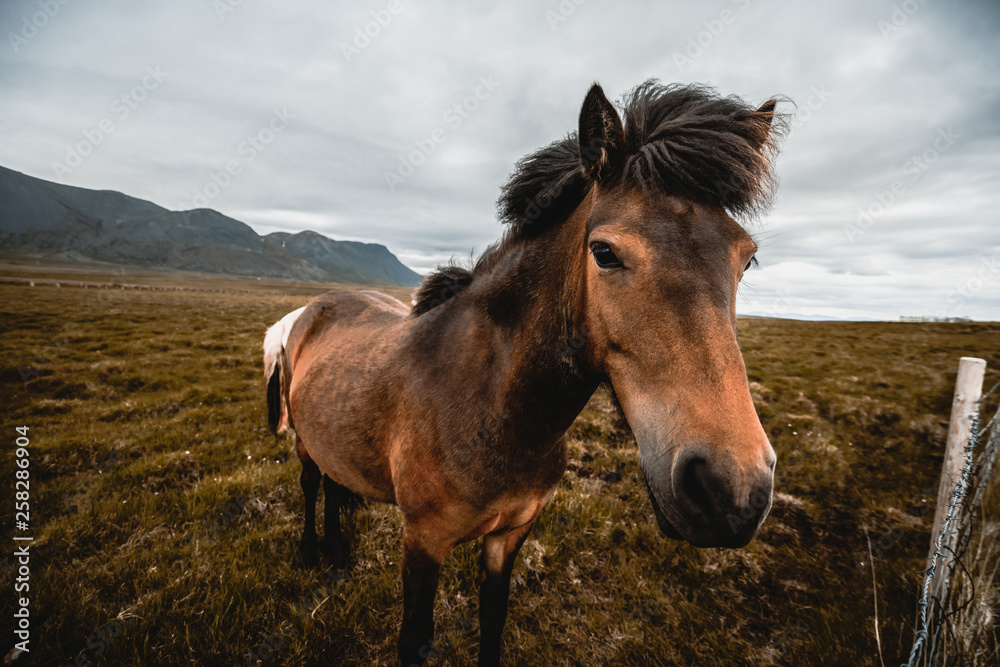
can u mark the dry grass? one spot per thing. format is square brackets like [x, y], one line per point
[167, 519]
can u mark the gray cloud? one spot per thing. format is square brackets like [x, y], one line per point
[874, 86]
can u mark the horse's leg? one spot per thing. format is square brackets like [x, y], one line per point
[310, 488]
[421, 567]
[333, 541]
[499, 553]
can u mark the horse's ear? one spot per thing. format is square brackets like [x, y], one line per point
[762, 123]
[601, 135]
[765, 112]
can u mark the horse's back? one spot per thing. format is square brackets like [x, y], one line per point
[353, 309]
[334, 316]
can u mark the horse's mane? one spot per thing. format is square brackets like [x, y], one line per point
[684, 140]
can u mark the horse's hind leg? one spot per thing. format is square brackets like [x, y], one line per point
[333, 544]
[310, 488]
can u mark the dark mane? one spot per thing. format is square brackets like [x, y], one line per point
[450, 279]
[683, 140]
[439, 286]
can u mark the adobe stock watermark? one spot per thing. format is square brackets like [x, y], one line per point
[31, 26]
[781, 304]
[793, 632]
[222, 8]
[751, 514]
[703, 39]
[454, 117]
[247, 150]
[653, 609]
[913, 169]
[964, 291]
[884, 542]
[267, 650]
[562, 12]
[898, 17]
[103, 638]
[121, 108]
[817, 99]
[364, 34]
[967, 289]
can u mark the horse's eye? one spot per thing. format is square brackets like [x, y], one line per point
[752, 262]
[605, 256]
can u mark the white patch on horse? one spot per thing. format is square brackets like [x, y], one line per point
[276, 339]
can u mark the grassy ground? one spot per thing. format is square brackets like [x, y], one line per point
[166, 519]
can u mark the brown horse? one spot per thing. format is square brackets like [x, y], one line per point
[621, 264]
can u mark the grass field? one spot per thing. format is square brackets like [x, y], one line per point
[166, 518]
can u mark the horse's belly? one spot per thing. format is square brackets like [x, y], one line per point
[341, 432]
[350, 465]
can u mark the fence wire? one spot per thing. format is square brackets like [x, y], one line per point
[936, 611]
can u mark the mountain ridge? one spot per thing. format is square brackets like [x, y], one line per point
[110, 226]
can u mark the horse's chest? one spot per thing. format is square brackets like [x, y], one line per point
[515, 472]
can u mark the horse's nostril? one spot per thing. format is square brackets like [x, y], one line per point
[700, 488]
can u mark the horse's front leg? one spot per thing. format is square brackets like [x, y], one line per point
[422, 560]
[499, 552]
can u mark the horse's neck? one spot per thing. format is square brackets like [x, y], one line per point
[521, 330]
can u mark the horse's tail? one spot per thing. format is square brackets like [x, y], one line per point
[275, 360]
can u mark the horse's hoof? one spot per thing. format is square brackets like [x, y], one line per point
[308, 556]
[335, 552]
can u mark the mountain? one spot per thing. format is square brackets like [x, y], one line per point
[346, 261]
[37, 215]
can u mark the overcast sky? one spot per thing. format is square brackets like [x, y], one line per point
[898, 114]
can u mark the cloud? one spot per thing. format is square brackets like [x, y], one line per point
[368, 86]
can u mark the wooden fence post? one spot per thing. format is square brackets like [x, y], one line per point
[968, 389]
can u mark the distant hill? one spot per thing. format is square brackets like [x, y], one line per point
[346, 261]
[76, 223]
[808, 318]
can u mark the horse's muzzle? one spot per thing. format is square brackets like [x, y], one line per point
[710, 509]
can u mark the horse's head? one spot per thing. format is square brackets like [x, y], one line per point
[665, 261]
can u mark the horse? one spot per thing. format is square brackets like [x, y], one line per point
[620, 265]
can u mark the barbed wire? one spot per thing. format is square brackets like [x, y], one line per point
[925, 646]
